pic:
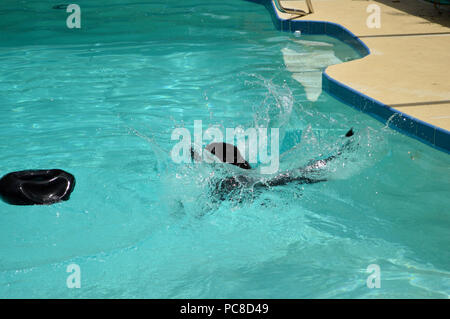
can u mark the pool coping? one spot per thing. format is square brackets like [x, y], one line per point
[426, 133]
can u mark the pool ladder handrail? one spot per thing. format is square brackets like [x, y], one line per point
[299, 13]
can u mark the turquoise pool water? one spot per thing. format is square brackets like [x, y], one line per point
[101, 102]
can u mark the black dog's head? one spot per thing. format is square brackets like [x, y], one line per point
[228, 153]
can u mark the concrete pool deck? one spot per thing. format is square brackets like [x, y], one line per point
[409, 61]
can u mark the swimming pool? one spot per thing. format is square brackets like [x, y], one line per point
[101, 102]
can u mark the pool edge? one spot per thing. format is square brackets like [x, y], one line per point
[434, 136]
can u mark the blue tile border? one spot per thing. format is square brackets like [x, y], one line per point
[427, 133]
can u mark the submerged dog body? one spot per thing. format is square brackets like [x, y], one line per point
[229, 154]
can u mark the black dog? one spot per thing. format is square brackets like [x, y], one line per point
[230, 154]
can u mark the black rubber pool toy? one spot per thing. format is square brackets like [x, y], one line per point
[36, 187]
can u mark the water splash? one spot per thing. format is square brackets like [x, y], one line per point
[390, 120]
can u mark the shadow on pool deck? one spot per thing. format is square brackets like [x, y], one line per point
[427, 11]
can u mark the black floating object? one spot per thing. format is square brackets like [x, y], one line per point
[223, 150]
[349, 133]
[61, 6]
[36, 187]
